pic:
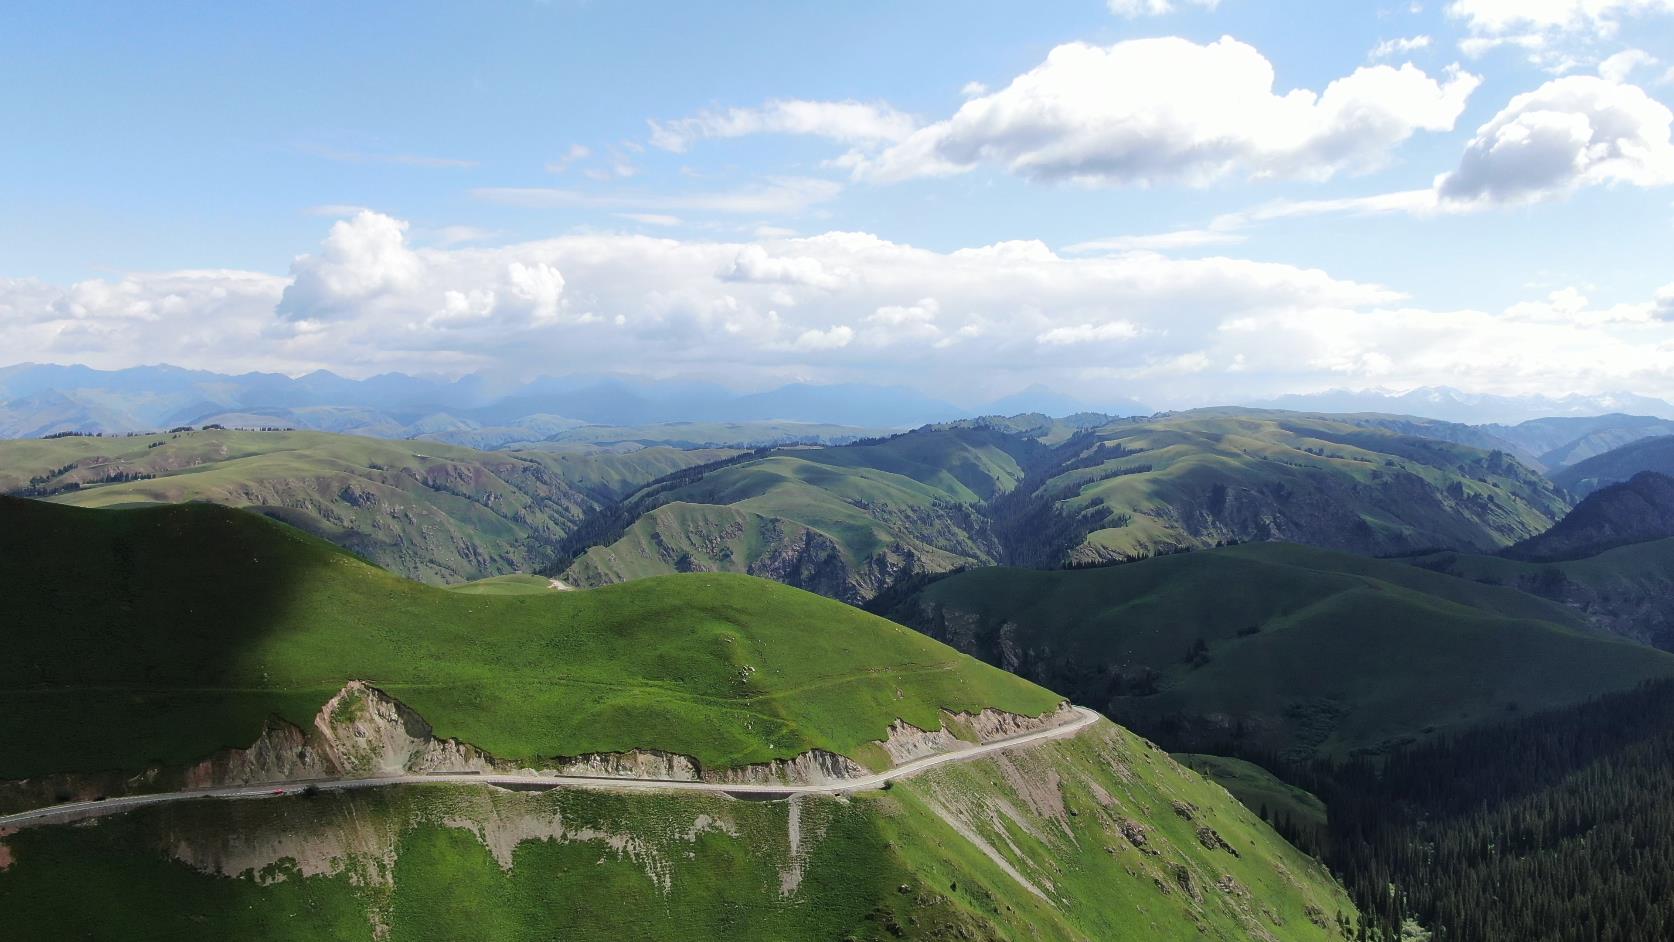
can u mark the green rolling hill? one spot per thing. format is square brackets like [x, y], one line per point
[436, 512]
[1198, 478]
[843, 521]
[146, 639]
[848, 521]
[1626, 590]
[1264, 648]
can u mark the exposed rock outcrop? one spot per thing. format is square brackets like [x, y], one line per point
[362, 732]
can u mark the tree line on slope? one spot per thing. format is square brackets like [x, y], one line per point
[1557, 827]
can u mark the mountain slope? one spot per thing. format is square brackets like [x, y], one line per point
[278, 622]
[1617, 465]
[160, 635]
[841, 521]
[1634, 511]
[1274, 647]
[435, 512]
[1565, 440]
[1628, 590]
[848, 521]
[1199, 478]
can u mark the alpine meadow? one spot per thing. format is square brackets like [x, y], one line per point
[1111, 471]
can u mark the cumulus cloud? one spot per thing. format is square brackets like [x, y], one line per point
[1569, 133]
[361, 258]
[753, 263]
[841, 306]
[835, 337]
[849, 122]
[1160, 110]
[1621, 66]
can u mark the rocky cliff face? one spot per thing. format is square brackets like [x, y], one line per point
[362, 732]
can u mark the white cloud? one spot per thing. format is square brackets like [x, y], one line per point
[849, 122]
[776, 196]
[1159, 110]
[1663, 305]
[842, 306]
[1569, 133]
[838, 336]
[361, 258]
[1390, 48]
[973, 90]
[1089, 333]
[1509, 17]
[651, 219]
[1137, 8]
[1620, 66]
[753, 263]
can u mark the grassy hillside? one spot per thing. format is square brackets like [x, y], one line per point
[1101, 837]
[1625, 590]
[840, 521]
[1262, 791]
[435, 512]
[1198, 478]
[848, 521]
[161, 635]
[1278, 647]
[1618, 465]
[157, 635]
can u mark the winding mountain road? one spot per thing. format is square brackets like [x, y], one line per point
[79, 810]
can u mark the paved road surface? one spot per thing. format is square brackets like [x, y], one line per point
[85, 809]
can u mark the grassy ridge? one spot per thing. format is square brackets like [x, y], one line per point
[1274, 646]
[1117, 841]
[1624, 590]
[840, 521]
[1197, 478]
[849, 521]
[162, 634]
[436, 512]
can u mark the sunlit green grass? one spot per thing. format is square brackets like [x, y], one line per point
[159, 635]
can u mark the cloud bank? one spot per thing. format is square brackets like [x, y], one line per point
[841, 306]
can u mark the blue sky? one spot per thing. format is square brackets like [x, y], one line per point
[450, 187]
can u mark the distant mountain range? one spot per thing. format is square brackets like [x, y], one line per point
[37, 399]
[1453, 405]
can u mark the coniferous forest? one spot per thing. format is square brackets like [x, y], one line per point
[1558, 827]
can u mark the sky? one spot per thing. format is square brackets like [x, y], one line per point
[1178, 201]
